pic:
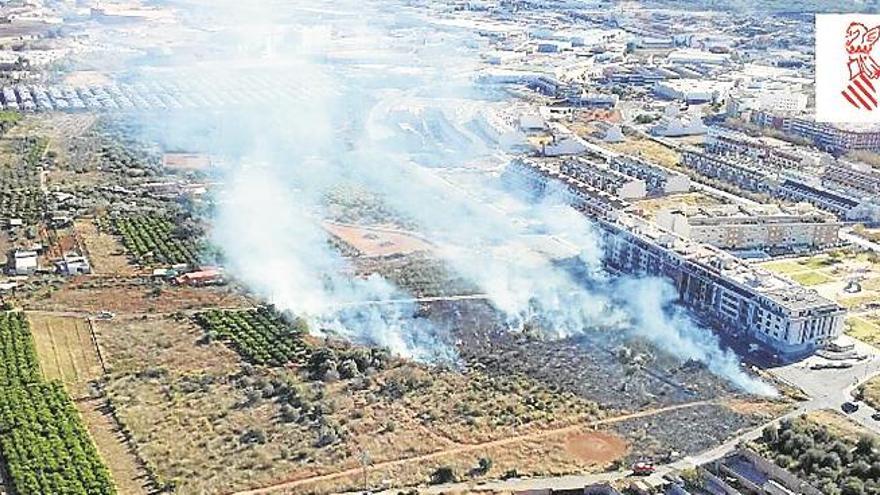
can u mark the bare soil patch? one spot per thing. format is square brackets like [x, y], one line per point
[596, 447]
[92, 294]
[105, 251]
[377, 241]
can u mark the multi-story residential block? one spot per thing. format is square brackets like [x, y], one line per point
[762, 227]
[826, 136]
[736, 297]
[599, 176]
[658, 180]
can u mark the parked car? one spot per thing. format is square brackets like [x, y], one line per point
[849, 407]
[876, 416]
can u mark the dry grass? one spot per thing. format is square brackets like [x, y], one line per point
[649, 208]
[66, 351]
[650, 150]
[188, 404]
[127, 296]
[132, 345]
[838, 424]
[106, 252]
[129, 476]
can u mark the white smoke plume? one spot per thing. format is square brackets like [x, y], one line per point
[384, 99]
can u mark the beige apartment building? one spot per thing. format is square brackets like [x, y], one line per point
[759, 227]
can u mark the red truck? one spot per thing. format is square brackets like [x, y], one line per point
[643, 468]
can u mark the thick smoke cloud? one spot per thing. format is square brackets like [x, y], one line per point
[384, 99]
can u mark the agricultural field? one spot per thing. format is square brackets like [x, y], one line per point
[259, 335]
[19, 364]
[66, 350]
[106, 253]
[205, 421]
[130, 295]
[20, 193]
[43, 442]
[152, 240]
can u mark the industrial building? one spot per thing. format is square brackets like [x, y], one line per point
[765, 227]
[675, 125]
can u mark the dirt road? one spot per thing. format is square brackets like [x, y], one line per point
[461, 449]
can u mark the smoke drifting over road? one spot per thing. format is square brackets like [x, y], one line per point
[383, 98]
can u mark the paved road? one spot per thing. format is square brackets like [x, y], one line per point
[847, 235]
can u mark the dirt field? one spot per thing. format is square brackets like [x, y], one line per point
[186, 161]
[133, 344]
[93, 294]
[596, 448]
[650, 150]
[377, 241]
[105, 251]
[66, 351]
[128, 474]
[649, 208]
